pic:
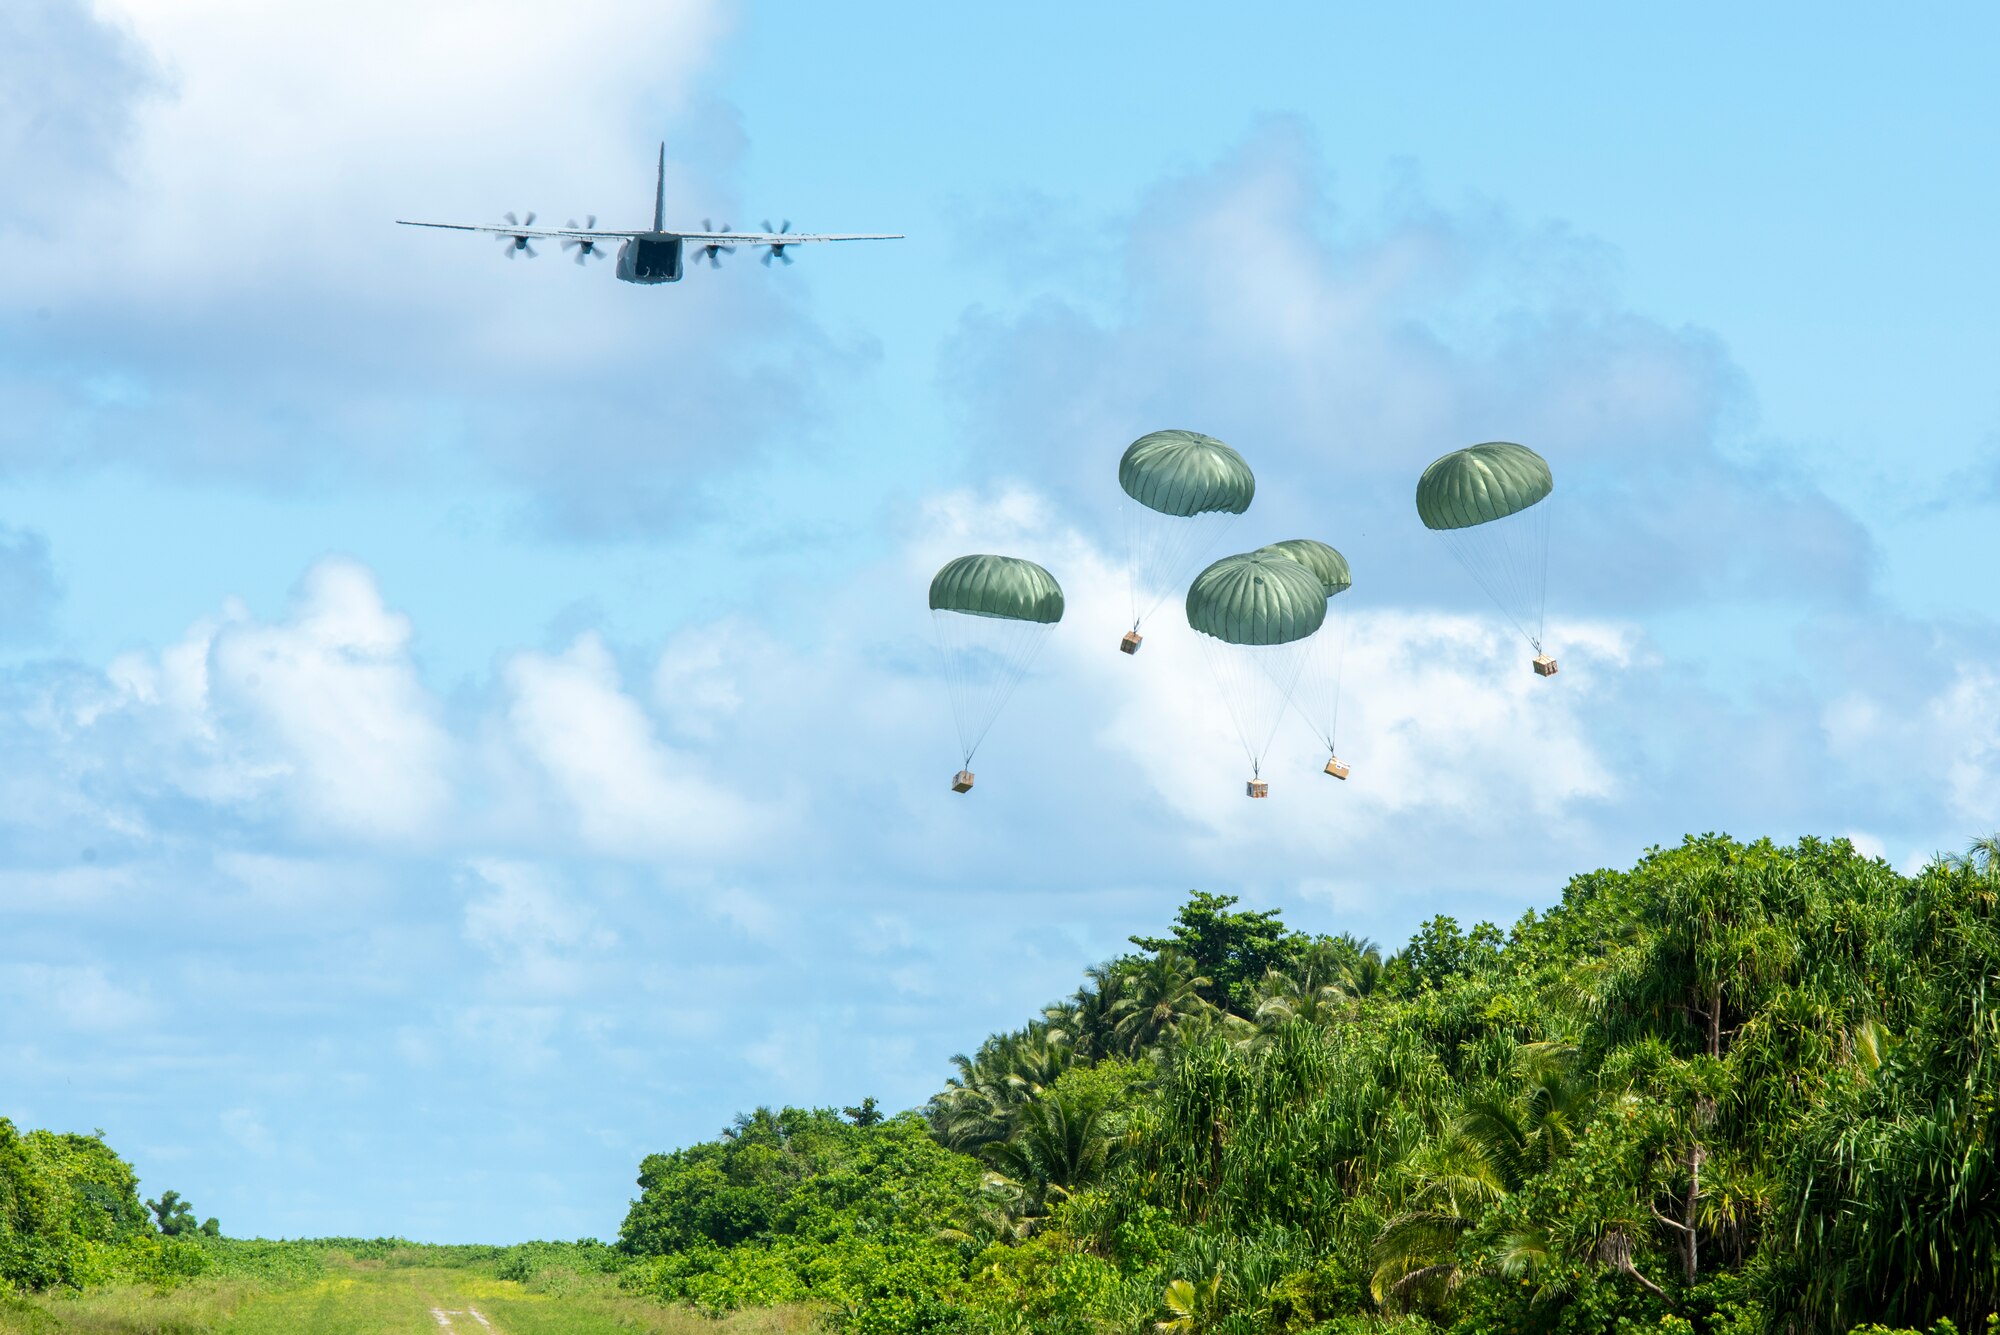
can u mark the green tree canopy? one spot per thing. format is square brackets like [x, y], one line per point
[1233, 950]
[65, 1200]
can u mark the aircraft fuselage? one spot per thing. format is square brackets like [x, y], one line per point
[655, 255]
[652, 257]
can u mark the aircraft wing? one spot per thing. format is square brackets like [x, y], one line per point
[699, 238]
[501, 229]
[780, 238]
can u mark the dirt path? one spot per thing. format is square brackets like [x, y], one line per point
[377, 1300]
[445, 1314]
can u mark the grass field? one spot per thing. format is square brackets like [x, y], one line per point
[360, 1297]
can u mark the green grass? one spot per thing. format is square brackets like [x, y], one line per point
[382, 1297]
[128, 1310]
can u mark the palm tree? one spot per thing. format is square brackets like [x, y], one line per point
[1094, 1019]
[1325, 976]
[978, 1105]
[1063, 1140]
[998, 1216]
[1161, 995]
[1362, 970]
[1981, 856]
[1447, 1186]
[1494, 1145]
[1529, 1132]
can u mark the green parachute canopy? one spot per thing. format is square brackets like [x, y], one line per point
[992, 615]
[1256, 613]
[1005, 587]
[1258, 598]
[1322, 560]
[1486, 504]
[1185, 473]
[1316, 692]
[1481, 484]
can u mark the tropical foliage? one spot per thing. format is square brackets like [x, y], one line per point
[70, 1216]
[1738, 1088]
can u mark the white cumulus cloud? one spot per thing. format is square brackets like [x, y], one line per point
[337, 700]
[629, 793]
[542, 941]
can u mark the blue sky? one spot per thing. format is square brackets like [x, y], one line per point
[469, 725]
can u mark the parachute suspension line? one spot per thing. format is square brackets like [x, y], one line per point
[978, 663]
[1129, 519]
[953, 678]
[1322, 664]
[1234, 699]
[1282, 663]
[1542, 590]
[1162, 550]
[975, 674]
[1508, 559]
[986, 659]
[1257, 682]
[1339, 668]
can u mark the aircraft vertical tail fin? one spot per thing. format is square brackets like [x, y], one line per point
[660, 192]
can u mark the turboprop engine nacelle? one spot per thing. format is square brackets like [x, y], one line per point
[650, 259]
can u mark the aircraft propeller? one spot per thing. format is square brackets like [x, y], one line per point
[515, 243]
[583, 246]
[776, 251]
[713, 249]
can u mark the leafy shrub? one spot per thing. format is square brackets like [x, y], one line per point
[64, 1201]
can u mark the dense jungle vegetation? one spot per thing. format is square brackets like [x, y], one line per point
[1740, 1088]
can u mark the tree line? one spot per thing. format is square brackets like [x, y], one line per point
[70, 1215]
[1739, 1088]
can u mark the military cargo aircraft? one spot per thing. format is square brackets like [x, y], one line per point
[657, 255]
